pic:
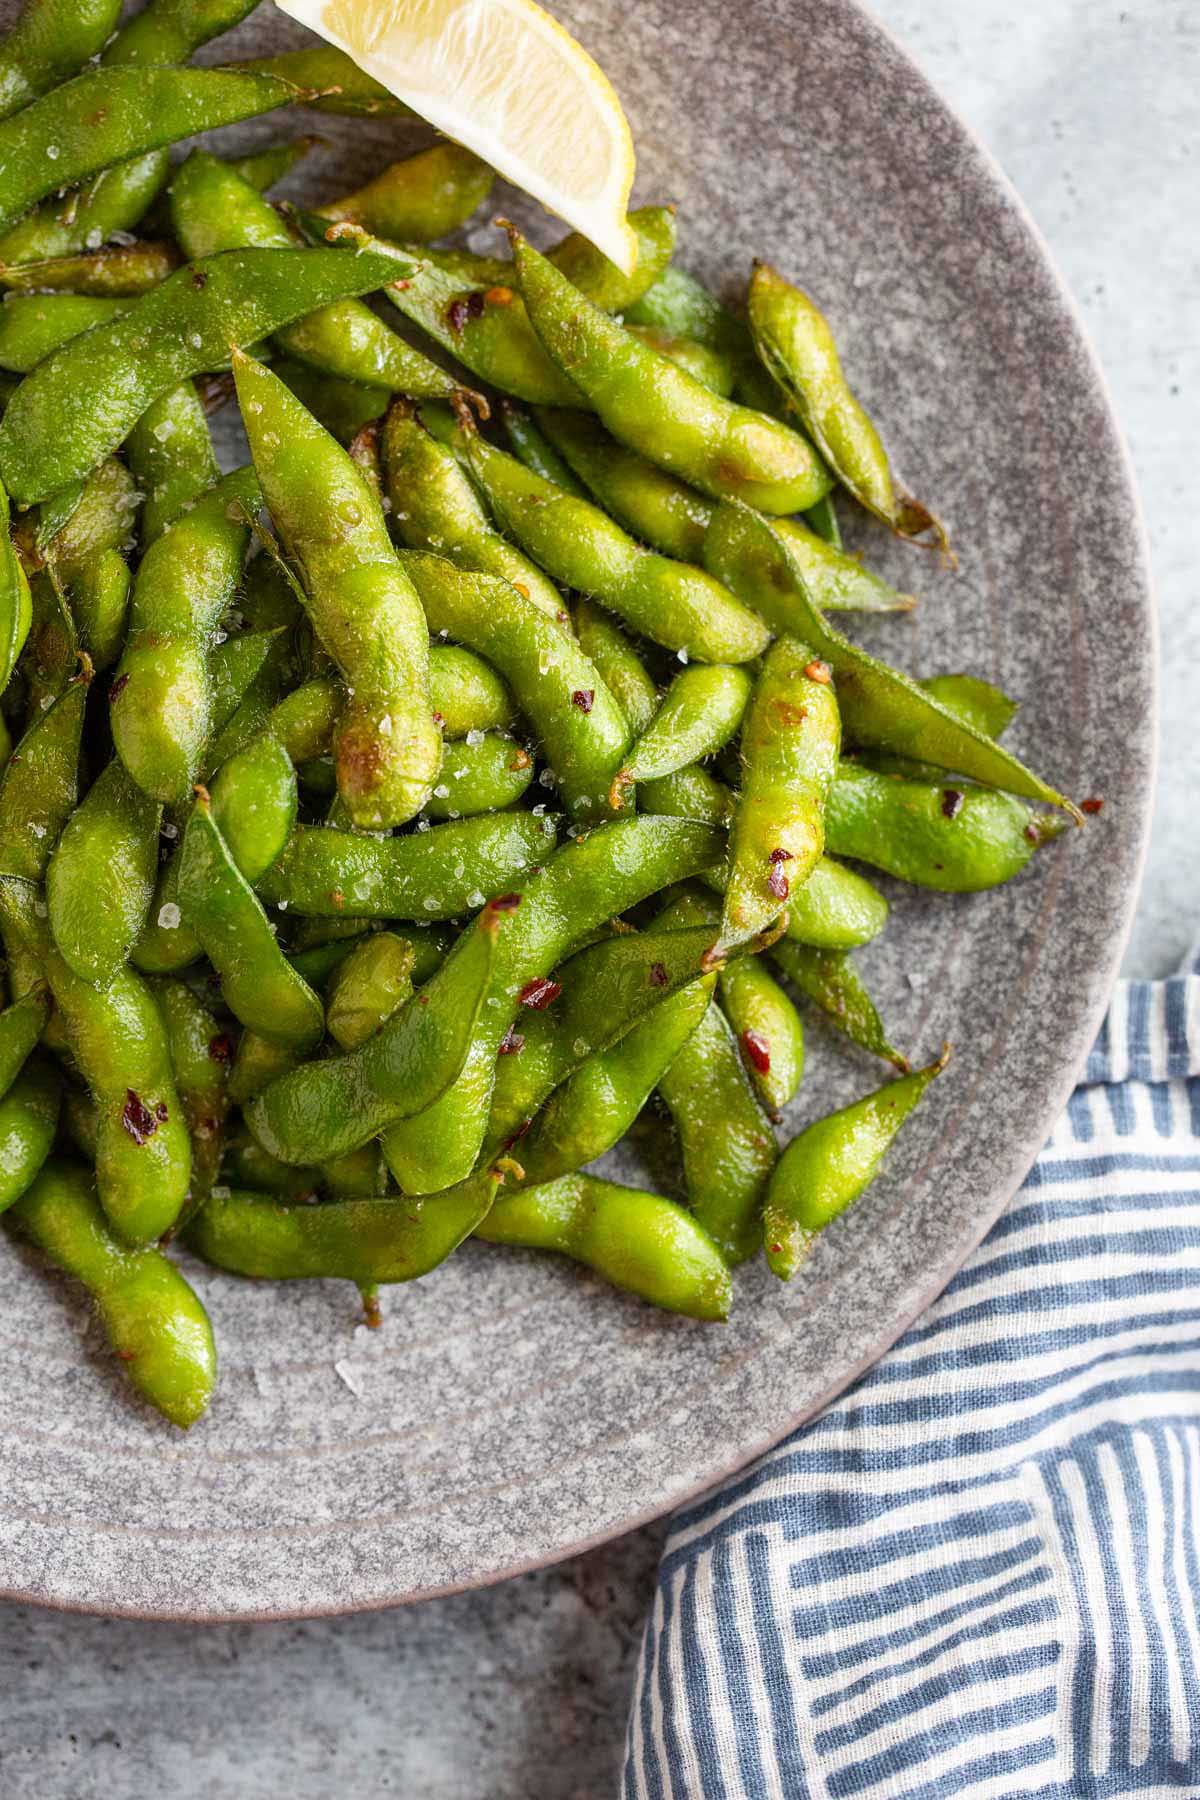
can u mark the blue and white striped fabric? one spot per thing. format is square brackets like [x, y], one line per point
[978, 1572]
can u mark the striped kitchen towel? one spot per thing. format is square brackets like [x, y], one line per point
[977, 1573]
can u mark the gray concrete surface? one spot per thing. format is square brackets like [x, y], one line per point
[520, 1691]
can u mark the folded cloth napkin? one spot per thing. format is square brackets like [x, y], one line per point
[978, 1572]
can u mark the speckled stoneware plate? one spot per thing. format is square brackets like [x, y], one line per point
[512, 1410]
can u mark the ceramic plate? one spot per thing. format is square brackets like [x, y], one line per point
[512, 1410]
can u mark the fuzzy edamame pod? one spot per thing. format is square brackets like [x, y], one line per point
[118, 1042]
[258, 984]
[109, 115]
[583, 884]
[114, 200]
[21, 1025]
[558, 688]
[120, 273]
[790, 742]
[441, 873]
[32, 326]
[82, 402]
[365, 1241]
[795, 343]
[16, 607]
[327, 81]
[214, 209]
[85, 559]
[659, 409]
[830, 980]
[28, 1120]
[254, 802]
[988, 708]
[362, 605]
[101, 875]
[530, 446]
[154, 1320]
[435, 507]
[373, 981]
[601, 638]
[708, 366]
[767, 1027]
[822, 521]
[639, 1241]
[344, 408]
[467, 693]
[201, 1054]
[700, 712]
[48, 43]
[167, 31]
[879, 706]
[958, 839]
[487, 773]
[420, 198]
[674, 604]
[170, 453]
[39, 788]
[160, 705]
[830, 1163]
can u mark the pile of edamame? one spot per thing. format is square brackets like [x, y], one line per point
[391, 824]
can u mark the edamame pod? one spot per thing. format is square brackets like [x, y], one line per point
[795, 343]
[829, 979]
[700, 712]
[254, 804]
[21, 1025]
[50, 40]
[362, 605]
[201, 1054]
[639, 1241]
[373, 981]
[34, 325]
[708, 366]
[487, 773]
[114, 200]
[28, 1120]
[767, 1027]
[167, 31]
[344, 408]
[154, 1320]
[82, 402]
[531, 447]
[171, 456]
[790, 742]
[101, 875]
[328, 81]
[601, 638]
[830, 1163]
[657, 408]
[674, 604]
[39, 788]
[442, 873]
[422, 197]
[121, 273]
[16, 607]
[467, 693]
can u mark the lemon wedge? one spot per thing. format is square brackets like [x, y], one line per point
[506, 80]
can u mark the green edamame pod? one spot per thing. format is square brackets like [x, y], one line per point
[657, 408]
[82, 402]
[28, 1121]
[167, 31]
[157, 1326]
[258, 705]
[366, 1241]
[102, 518]
[201, 1053]
[100, 596]
[442, 873]
[16, 606]
[487, 773]
[265, 168]
[362, 604]
[39, 788]
[830, 1163]
[303, 721]
[467, 693]
[879, 705]
[700, 712]
[257, 1064]
[678, 302]
[594, 1107]
[639, 1241]
[725, 1140]
[48, 43]
[160, 703]
[328, 81]
[822, 520]
[372, 982]
[795, 343]
[171, 456]
[530, 447]
[579, 724]
[114, 200]
[117, 1040]
[422, 197]
[344, 408]
[121, 273]
[829, 979]
[435, 507]
[21, 1025]
[710, 367]
[988, 708]
[601, 639]
[835, 581]
[258, 984]
[358, 1176]
[767, 1027]
[790, 742]
[101, 875]
[254, 803]
[109, 115]
[672, 603]
[955, 838]
[34, 325]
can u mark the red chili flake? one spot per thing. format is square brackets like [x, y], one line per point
[1031, 832]
[517, 1135]
[422, 999]
[1091, 806]
[779, 855]
[439, 719]
[758, 1051]
[220, 1048]
[117, 689]
[457, 315]
[512, 1043]
[161, 1113]
[952, 802]
[137, 1118]
[338, 898]
[818, 671]
[540, 993]
[504, 903]
[521, 758]
[475, 304]
[499, 296]
[658, 975]
[199, 278]
[584, 699]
